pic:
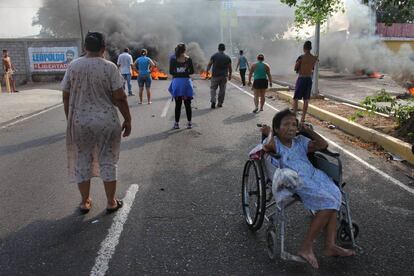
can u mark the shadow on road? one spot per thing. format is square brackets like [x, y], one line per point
[239, 119]
[44, 141]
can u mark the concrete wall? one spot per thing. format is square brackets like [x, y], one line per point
[18, 51]
[395, 45]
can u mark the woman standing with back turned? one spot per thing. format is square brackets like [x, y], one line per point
[181, 87]
[92, 89]
[262, 80]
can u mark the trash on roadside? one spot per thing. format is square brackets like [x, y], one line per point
[393, 157]
[162, 189]
[331, 126]
[95, 221]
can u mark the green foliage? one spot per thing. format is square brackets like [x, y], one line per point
[393, 11]
[314, 11]
[381, 96]
[401, 112]
[359, 114]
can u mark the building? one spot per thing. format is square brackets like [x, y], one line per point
[396, 35]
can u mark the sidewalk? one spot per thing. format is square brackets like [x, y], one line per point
[346, 86]
[29, 100]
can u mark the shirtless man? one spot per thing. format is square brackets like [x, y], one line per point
[304, 67]
[8, 69]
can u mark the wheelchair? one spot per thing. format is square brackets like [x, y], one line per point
[259, 205]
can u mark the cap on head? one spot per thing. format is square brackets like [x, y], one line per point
[221, 47]
[94, 41]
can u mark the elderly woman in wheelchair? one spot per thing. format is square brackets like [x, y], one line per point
[318, 192]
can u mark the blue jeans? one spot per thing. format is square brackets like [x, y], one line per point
[144, 80]
[127, 77]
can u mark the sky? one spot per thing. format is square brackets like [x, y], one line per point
[16, 18]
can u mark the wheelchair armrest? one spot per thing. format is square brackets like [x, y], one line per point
[330, 153]
[274, 155]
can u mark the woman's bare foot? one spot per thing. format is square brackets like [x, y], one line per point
[86, 206]
[337, 251]
[309, 256]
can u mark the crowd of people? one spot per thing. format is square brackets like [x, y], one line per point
[93, 128]
[93, 88]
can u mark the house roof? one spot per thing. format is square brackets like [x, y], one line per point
[396, 30]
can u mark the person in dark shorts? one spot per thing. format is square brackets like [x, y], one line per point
[262, 80]
[143, 65]
[222, 71]
[243, 64]
[181, 87]
[304, 67]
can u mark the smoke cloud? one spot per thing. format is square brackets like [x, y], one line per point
[348, 42]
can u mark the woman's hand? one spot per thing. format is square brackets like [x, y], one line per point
[265, 130]
[126, 128]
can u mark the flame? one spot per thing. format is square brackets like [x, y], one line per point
[375, 75]
[156, 74]
[205, 75]
[134, 73]
[411, 91]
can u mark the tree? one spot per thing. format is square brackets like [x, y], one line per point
[314, 11]
[392, 11]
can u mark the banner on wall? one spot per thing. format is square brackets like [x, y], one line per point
[51, 59]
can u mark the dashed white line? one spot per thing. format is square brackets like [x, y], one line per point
[378, 171]
[112, 239]
[31, 116]
[165, 109]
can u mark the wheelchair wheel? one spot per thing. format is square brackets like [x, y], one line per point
[253, 195]
[271, 239]
[343, 233]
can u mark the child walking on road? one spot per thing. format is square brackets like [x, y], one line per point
[304, 67]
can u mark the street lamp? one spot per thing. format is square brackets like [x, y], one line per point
[80, 24]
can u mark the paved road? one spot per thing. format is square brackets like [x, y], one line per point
[186, 216]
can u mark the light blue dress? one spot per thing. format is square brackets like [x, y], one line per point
[319, 192]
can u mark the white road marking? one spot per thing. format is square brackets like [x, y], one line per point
[112, 239]
[165, 109]
[378, 171]
[31, 116]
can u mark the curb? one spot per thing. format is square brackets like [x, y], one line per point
[389, 143]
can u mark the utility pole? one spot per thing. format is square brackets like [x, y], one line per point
[80, 25]
[315, 90]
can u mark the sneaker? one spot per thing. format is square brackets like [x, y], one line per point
[149, 102]
[255, 110]
[139, 102]
[131, 94]
[176, 126]
[189, 125]
[213, 105]
[220, 105]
